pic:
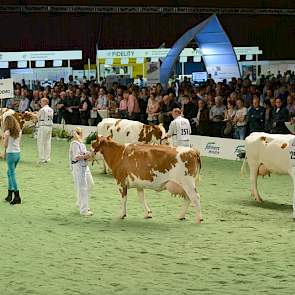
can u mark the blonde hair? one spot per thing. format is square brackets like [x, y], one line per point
[77, 134]
[11, 124]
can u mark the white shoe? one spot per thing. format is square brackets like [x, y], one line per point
[88, 213]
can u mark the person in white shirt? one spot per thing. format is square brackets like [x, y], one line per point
[45, 123]
[11, 142]
[179, 129]
[83, 180]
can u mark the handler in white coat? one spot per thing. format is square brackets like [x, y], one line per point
[45, 123]
[83, 180]
[179, 129]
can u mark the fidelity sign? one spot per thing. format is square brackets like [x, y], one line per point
[6, 88]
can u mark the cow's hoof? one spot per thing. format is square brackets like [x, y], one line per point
[123, 216]
[198, 221]
[259, 200]
[181, 218]
[148, 217]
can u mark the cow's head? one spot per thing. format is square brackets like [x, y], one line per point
[97, 144]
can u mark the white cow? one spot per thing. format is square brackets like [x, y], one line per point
[270, 153]
[126, 131]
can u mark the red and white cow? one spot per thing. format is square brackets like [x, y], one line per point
[127, 131]
[156, 167]
[269, 153]
[25, 120]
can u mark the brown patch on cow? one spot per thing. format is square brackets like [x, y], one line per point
[284, 145]
[118, 129]
[118, 122]
[128, 132]
[148, 131]
[263, 138]
[192, 161]
[135, 161]
[108, 127]
[111, 133]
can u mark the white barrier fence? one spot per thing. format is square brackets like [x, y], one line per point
[216, 147]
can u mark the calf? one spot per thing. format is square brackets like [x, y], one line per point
[155, 167]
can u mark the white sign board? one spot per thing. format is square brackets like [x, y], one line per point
[6, 88]
[41, 55]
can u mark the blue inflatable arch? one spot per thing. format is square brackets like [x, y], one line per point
[217, 51]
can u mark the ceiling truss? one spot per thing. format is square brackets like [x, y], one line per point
[132, 9]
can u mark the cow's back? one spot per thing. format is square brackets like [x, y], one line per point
[271, 150]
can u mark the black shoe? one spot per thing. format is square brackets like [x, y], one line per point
[16, 199]
[9, 196]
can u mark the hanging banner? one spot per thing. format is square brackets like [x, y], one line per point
[6, 88]
[153, 73]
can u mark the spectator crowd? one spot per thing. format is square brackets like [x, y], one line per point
[231, 109]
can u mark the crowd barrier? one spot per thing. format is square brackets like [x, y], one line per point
[216, 147]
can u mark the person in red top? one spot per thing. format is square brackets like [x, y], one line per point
[132, 104]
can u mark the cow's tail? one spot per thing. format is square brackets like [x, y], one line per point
[243, 168]
[199, 166]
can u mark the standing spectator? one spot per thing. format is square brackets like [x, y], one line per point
[45, 123]
[102, 101]
[143, 102]
[217, 116]
[202, 121]
[24, 102]
[61, 106]
[240, 120]
[268, 115]
[189, 111]
[53, 104]
[73, 108]
[280, 116]
[228, 118]
[290, 106]
[256, 116]
[11, 143]
[132, 104]
[84, 108]
[112, 106]
[35, 103]
[123, 108]
[152, 110]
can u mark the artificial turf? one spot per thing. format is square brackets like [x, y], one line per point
[47, 248]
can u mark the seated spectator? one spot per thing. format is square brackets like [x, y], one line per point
[152, 110]
[216, 116]
[123, 109]
[268, 115]
[85, 108]
[240, 120]
[202, 120]
[280, 116]
[256, 116]
[35, 104]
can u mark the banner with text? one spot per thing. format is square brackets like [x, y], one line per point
[6, 88]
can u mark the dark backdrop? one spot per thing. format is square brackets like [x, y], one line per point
[275, 35]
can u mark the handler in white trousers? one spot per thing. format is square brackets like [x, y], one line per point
[83, 180]
[45, 123]
[179, 129]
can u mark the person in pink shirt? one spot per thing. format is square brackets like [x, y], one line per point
[132, 104]
[123, 108]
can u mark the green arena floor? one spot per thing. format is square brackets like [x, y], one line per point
[48, 248]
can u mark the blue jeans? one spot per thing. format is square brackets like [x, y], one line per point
[240, 132]
[12, 160]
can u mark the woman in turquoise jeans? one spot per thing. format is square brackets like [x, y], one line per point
[11, 142]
